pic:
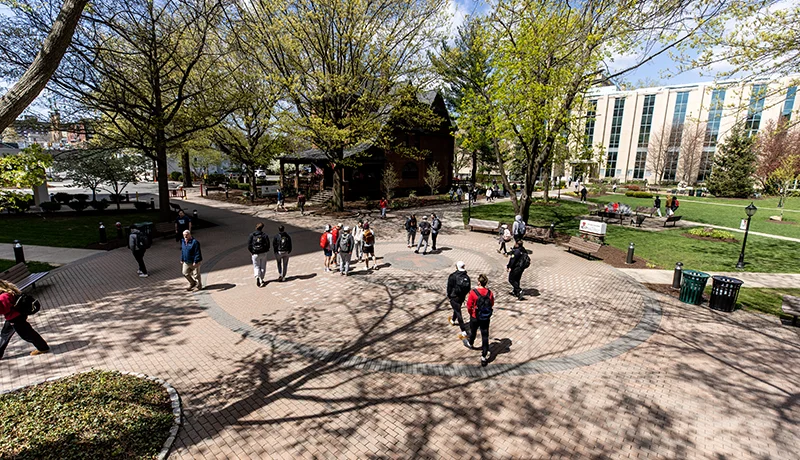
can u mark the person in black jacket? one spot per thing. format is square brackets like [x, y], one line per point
[458, 286]
[515, 269]
[258, 245]
[283, 247]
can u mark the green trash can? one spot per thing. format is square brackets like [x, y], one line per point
[694, 282]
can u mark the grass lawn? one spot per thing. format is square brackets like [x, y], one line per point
[696, 210]
[563, 213]
[66, 231]
[33, 267]
[98, 414]
[764, 300]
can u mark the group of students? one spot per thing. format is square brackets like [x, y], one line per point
[258, 243]
[338, 244]
[428, 230]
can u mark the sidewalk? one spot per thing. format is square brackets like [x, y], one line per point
[755, 280]
[50, 255]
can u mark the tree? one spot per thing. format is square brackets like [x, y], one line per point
[44, 64]
[389, 181]
[787, 174]
[82, 167]
[25, 169]
[658, 152]
[343, 65]
[104, 166]
[433, 178]
[774, 144]
[734, 166]
[691, 151]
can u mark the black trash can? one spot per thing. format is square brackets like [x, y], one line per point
[147, 228]
[724, 292]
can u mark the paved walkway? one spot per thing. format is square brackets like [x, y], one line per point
[51, 255]
[591, 365]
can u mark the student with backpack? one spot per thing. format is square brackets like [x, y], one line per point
[480, 305]
[301, 203]
[424, 234]
[258, 245]
[139, 243]
[411, 229]
[518, 229]
[369, 246]
[505, 238]
[458, 287]
[335, 238]
[282, 245]
[436, 225]
[519, 261]
[345, 247]
[326, 243]
[358, 237]
[675, 204]
[16, 307]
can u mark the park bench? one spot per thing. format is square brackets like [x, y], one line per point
[177, 193]
[638, 219]
[484, 225]
[578, 244]
[791, 307]
[541, 234]
[21, 277]
[594, 208]
[175, 207]
[610, 215]
[165, 228]
[645, 211]
[672, 219]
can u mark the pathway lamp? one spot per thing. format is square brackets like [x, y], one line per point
[751, 211]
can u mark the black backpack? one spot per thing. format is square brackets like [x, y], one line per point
[463, 284]
[524, 259]
[437, 224]
[283, 245]
[143, 241]
[483, 306]
[27, 305]
[425, 228]
[260, 242]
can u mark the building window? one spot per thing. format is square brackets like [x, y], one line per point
[712, 133]
[676, 136]
[616, 131]
[588, 133]
[410, 170]
[753, 121]
[788, 106]
[645, 127]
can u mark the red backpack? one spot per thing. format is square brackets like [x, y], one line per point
[323, 240]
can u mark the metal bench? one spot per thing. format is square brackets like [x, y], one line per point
[644, 210]
[594, 209]
[791, 307]
[580, 245]
[21, 277]
[483, 225]
[175, 207]
[638, 220]
[672, 219]
[610, 215]
[541, 234]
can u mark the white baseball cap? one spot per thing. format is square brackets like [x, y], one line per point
[460, 266]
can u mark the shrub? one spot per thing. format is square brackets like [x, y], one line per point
[638, 194]
[115, 197]
[141, 205]
[216, 179]
[81, 197]
[78, 205]
[14, 201]
[634, 188]
[175, 176]
[62, 197]
[50, 206]
[99, 205]
[710, 232]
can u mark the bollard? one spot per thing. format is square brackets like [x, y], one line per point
[152, 203]
[552, 229]
[676, 276]
[127, 197]
[137, 196]
[629, 260]
[19, 253]
[119, 230]
[194, 214]
[103, 237]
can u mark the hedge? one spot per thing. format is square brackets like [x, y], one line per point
[638, 194]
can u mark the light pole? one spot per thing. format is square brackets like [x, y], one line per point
[751, 211]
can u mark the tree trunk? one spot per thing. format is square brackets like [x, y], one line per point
[165, 212]
[474, 172]
[546, 186]
[251, 174]
[187, 169]
[33, 81]
[338, 188]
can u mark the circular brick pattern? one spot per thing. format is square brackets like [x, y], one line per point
[395, 319]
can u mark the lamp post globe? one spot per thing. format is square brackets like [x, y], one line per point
[750, 210]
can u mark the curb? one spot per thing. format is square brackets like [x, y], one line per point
[174, 398]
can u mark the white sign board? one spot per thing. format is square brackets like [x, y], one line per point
[743, 224]
[590, 226]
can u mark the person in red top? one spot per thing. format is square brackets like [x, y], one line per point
[480, 304]
[383, 204]
[17, 322]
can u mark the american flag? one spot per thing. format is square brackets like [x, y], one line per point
[317, 170]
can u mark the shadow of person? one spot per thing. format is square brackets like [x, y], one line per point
[384, 265]
[533, 292]
[69, 346]
[219, 287]
[300, 277]
[499, 347]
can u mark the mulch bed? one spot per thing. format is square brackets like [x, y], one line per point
[786, 222]
[611, 255]
[708, 238]
[667, 290]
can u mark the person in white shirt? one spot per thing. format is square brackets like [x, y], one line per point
[358, 237]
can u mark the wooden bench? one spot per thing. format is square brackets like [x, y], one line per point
[603, 215]
[672, 219]
[644, 210]
[791, 307]
[177, 193]
[580, 245]
[483, 225]
[594, 209]
[165, 229]
[21, 277]
[541, 234]
[175, 207]
[638, 220]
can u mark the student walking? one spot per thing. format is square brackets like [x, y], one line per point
[369, 246]
[183, 222]
[383, 204]
[281, 203]
[191, 257]
[282, 245]
[16, 321]
[584, 192]
[517, 263]
[337, 229]
[458, 286]
[505, 238]
[258, 245]
[657, 205]
[301, 203]
[675, 204]
[326, 243]
[460, 193]
[345, 247]
[411, 228]
[358, 237]
[424, 234]
[480, 305]
[518, 229]
[138, 243]
[436, 225]
[668, 205]
[488, 195]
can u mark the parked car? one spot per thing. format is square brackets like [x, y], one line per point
[261, 174]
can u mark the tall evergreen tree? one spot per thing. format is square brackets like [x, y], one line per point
[734, 166]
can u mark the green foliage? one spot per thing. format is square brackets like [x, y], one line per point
[78, 205]
[734, 166]
[637, 194]
[764, 300]
[710, 232]
[99, 205]
[433, 177]
[58, 230]
[389, 181]
[81, 197]
[12, 201]
[141, 205]
[98, 414]
[50, 206]
[62, 197]
[25, 169]
[175, 176]
[565, 214]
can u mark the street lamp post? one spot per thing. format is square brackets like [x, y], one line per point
[751, 211]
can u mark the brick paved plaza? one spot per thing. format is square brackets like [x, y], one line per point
[591, 364]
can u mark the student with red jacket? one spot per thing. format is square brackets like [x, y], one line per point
[480, 304]
[383, 204]
[17, 322]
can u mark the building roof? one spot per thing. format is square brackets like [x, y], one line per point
[319, 155]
